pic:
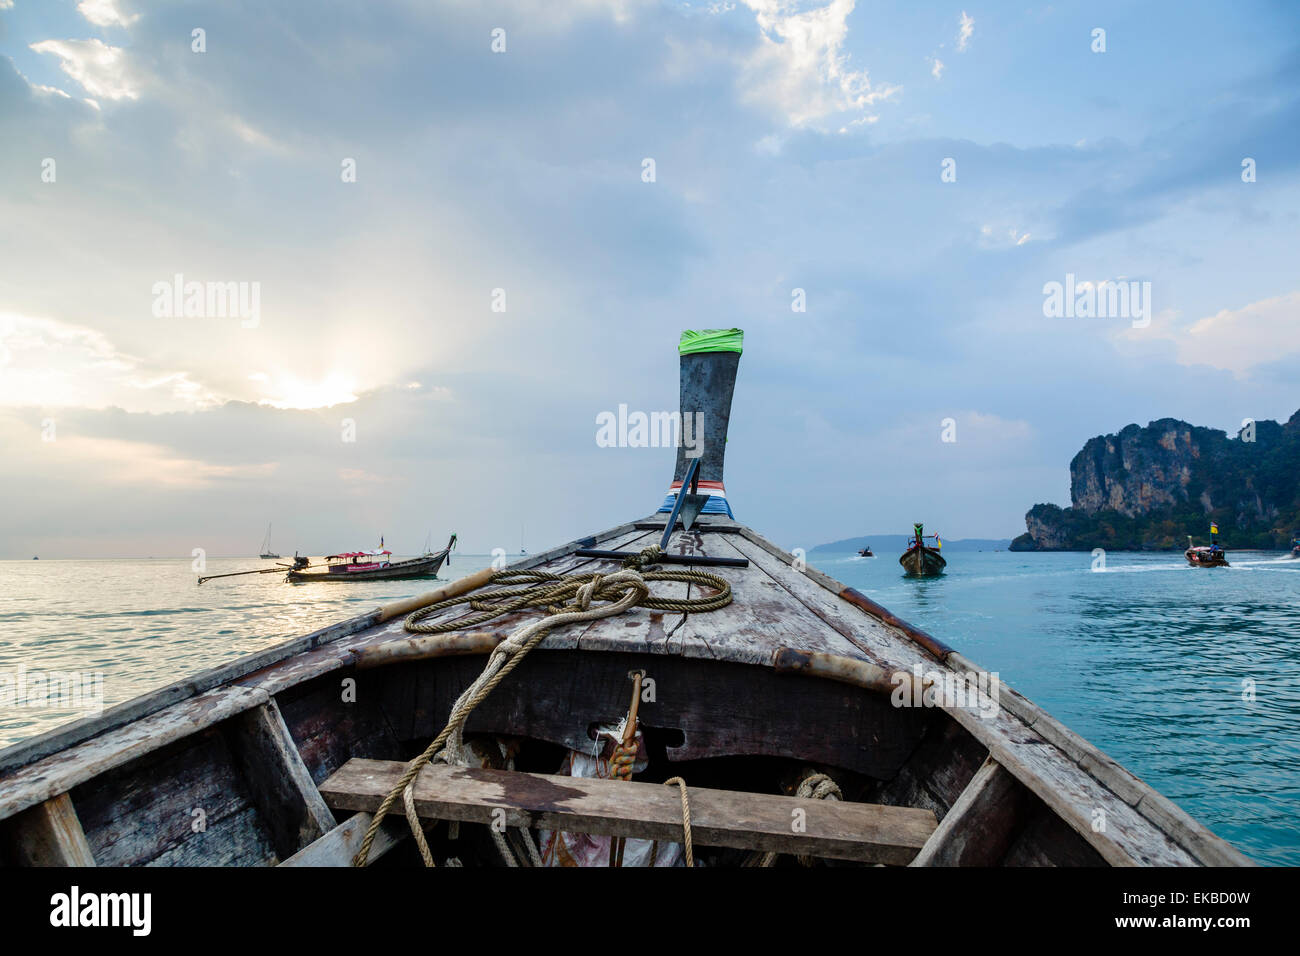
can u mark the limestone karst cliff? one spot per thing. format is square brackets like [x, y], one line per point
[1148, 488]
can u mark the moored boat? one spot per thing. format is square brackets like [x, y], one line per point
[265, 550]
[920, 560]
[376, 565]
[760, 690]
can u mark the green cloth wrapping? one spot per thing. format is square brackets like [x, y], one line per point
[711, 340]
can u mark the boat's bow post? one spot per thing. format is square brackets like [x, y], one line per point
[709, 361]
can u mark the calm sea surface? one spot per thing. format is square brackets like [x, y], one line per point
[1149, 659]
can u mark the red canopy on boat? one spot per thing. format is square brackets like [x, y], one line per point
[357, 554]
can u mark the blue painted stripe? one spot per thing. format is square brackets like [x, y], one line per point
[714, 506]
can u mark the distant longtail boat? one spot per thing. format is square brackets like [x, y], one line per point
[920, 560]
[1207, 556]
[353, 566]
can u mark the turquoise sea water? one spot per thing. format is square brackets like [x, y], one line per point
[1148, 658]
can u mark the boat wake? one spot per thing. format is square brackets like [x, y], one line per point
[1285, 565]
[1140, 568]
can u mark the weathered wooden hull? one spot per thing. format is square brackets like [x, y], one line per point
[264, 747]
[423, 567]
[1203, 559]
[922, 562]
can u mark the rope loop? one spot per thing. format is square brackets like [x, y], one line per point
[686, 819]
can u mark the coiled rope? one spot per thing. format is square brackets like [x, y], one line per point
[566, 599]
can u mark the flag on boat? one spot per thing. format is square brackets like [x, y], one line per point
[937, 543]
[1214, 528]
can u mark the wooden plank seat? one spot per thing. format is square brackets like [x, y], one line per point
[867, 833]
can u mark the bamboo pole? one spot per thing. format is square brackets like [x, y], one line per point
[279, 567]
[454, 589]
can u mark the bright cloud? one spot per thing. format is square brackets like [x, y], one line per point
[51, 363]
[936, 68]
[105, 13]
[800, 67]
[1235, 340]
[102, 70]
[967, 28]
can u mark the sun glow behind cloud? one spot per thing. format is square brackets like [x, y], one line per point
[337, 388]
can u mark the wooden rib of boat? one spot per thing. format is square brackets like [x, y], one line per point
[798, 675]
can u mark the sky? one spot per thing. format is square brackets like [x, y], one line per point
[455, 255]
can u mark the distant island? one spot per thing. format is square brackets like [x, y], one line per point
[896, 544]
[1147, 489]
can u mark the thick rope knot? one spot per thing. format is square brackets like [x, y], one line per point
[622, 759]
[587, 590]
[565, 599]
[814, 786]
[819, 786]
[644, 558]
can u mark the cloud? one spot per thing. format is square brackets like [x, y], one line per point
[105, 13]
[53, 364]
[1000, 237]
[936, 68]
[1234, 340]
[102, 70]
[146, 465]
[967, 28]
[800, 68]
